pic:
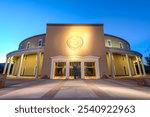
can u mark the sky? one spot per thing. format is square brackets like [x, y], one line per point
[128, 19]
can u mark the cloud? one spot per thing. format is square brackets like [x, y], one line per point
[2, 59]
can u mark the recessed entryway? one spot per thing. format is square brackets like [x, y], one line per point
[85, 68]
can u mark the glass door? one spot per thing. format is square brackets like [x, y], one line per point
[75, 70]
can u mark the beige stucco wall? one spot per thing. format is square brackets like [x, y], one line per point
[120, 62]
[29, 64]
[116, 42]
[33, 41]
[56, 44]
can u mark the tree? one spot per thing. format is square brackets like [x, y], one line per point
[148, 60]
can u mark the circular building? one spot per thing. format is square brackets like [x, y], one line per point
[69, 50]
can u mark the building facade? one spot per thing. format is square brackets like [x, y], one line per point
[54, 54]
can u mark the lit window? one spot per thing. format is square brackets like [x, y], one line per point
[89, 68]
[120, 44]
[60, 69]
[28, 45]
[109, 43]
[40, 42]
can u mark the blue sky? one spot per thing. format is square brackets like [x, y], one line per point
[129, 19]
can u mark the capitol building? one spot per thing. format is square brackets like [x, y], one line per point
[54, 54]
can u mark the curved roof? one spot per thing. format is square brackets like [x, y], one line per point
[44, 34]
[116, 37]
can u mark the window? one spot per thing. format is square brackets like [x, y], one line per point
[40, 42]
[109, 43]
[120, 44]
[28, 45]
[20, 47]
[89, 68]
[60, 69]
[77, 65]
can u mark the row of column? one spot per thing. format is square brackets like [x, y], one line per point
[129, 65]
[10, 61]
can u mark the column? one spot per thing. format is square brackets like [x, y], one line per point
[112, 64]
[82, 70]
[144, 73]
[135, 69]
[20, 66]
[67, 70]
[52, 69]
[10, 62]
[4, 71]
[12, 73]
[129, 66]
[97, 69]
[37, 64]
[138, 65]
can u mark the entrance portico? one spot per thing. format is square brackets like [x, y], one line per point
[87, 67]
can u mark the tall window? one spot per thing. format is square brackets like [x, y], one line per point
[120, 44]
[60, 69]
[28, 45]
[109, 43]
[40, 42]
[89, 69]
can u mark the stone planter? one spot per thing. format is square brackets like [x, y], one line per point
[2, 80]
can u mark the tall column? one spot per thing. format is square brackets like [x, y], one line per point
[135, 69]
[144, 73]
[20, 66]
[10, 62]
[129, 66]
[37, 64]
[112, 64]
[67, 70]
[82, 70]
[139, 65]
[4, 71]
[12, 73]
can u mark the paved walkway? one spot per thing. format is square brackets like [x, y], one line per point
[73, 89]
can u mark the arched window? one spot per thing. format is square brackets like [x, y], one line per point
[120, 44]
[109, 43]
[40, 42]
[28, 45]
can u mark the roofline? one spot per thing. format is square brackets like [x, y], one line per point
[32, 37]
[117, 37]
[74, 24]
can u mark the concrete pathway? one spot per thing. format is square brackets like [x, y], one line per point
[73, 89]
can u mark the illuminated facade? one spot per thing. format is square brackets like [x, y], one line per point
[54, 54]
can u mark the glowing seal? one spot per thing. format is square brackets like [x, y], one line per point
[75, 42]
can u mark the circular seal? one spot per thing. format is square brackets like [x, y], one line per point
[75, 42]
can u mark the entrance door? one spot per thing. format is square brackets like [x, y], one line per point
[74, 68]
